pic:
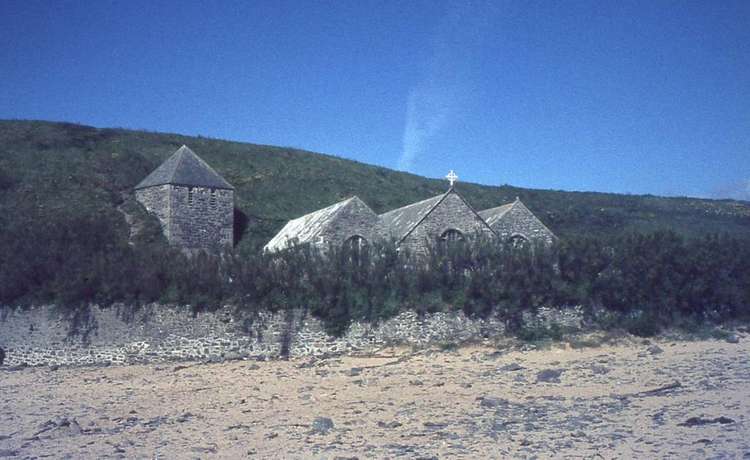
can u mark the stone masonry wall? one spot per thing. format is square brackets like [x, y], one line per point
[520, 221]
[156, 201]
[156, 333]
[206, 221]
[356, 219]
[451, 213]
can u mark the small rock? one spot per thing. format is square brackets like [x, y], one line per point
[549, 375]
[434, 425]
[389, 425]
[321, 425]
[184, 417]
[490, 401]
[60, 426]
[698, 421]
[654, 349]
[733, 338]
[494, 355]
[354, 371]
[416, 383]
[512, 367]
[599, 370]
[253, 367]
[156, 421]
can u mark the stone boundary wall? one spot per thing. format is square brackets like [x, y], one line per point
[157, 333]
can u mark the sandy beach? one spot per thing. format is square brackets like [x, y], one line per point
[633, 399]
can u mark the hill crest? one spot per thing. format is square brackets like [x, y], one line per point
[53, 166]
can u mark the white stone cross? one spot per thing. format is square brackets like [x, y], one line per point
[452, 177]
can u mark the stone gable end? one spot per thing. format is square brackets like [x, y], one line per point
[355, 219]
[519, 220]
[452, 213]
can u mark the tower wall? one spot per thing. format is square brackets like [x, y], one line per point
[192, 217]
[201, 218]
[156, 201]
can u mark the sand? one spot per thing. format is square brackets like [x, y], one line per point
[680, 399]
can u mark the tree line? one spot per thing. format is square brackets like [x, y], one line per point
[641, 281]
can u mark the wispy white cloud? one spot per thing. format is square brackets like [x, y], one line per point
[427, 109]
[433, 101]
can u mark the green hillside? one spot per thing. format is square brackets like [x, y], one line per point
[48, 169]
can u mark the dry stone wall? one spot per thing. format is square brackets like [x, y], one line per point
[156, 333]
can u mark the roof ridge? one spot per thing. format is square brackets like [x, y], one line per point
[180, 159]
[317, 211]
[412, 204]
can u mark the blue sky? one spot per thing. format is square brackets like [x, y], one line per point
[632, 97]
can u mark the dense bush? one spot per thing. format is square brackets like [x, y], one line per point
[643, 281]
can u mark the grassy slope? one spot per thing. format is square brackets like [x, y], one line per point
[51, 167]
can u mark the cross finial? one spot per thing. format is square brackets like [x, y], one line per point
[452, 177]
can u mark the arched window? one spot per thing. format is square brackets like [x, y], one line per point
[355, 249]
[355, 243]
[452, 236]
[519, 241]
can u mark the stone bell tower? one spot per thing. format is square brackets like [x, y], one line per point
[194, 204]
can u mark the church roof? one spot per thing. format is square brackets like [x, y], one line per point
[307, 228]
[184, 167]
[492, 215]
[402, 220]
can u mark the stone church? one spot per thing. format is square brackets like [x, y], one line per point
[446, 217]
[194, 204]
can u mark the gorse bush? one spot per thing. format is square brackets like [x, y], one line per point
[643, 281]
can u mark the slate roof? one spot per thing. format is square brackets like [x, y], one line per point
[492, 215]
[184, 167]
[307, 228]
[400, 221]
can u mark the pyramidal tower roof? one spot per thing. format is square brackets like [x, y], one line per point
[184, 167]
